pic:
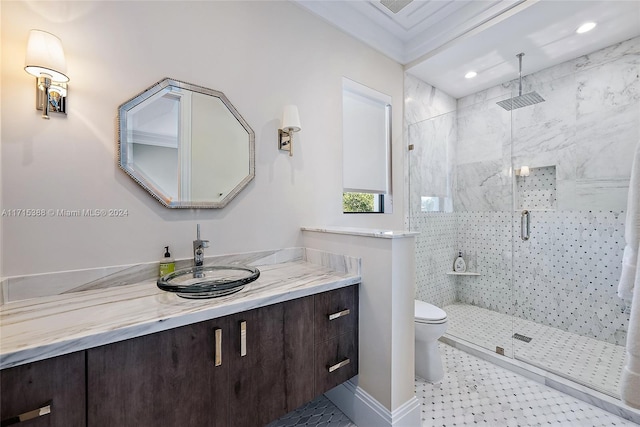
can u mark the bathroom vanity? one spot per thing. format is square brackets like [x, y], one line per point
[138, 356]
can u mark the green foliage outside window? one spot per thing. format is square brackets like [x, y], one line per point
[357, 202]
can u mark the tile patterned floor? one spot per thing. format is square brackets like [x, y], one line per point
[584, 360]
[475, 392]
[320, 412]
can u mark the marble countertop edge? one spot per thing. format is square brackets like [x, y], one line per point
[41, 328]
[365, 232]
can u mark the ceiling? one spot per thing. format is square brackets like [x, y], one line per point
[439, 41]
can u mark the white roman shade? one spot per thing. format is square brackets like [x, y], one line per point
[366, 139]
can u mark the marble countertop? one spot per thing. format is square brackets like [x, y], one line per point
[366, 232]
[39, 328]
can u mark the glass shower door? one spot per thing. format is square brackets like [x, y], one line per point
[483, 197]
[571, 160]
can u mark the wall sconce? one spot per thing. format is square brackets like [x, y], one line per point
[290, 124]
[45, 60]
[523, 171]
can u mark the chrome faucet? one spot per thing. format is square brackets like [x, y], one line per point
[198, 249]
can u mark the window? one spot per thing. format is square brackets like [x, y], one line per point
[366, 142]
[362, 203]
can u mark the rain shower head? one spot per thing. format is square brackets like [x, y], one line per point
[521, 100]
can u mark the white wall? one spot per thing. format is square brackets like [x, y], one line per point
[386, 328]
[262, 55]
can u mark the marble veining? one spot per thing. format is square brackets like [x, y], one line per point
[430, 126]
[39, 328]
[434, 145]
[587, 127]
[55, 283]
[424, 101]
[482, 129]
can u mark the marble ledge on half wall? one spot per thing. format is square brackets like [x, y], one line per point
[18, 288]
[366, 232]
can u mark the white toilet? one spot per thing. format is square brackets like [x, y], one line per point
[430, 324]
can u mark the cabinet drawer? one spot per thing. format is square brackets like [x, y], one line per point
[336, 313]
[57, 383]
[336, 361]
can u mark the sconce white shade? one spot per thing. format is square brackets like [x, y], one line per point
[291, 119]
[45, 56]
[524, 171]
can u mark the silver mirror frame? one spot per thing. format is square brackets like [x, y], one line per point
[146, 183]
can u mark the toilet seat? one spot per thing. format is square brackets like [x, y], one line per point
[428, 313]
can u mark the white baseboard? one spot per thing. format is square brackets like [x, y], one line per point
[365, 411]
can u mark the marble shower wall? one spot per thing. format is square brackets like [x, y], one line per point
[483, 152]
[587, 128]
[485, 238]
[584, 133]
[566, 275]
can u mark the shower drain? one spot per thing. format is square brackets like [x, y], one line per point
[522, 337]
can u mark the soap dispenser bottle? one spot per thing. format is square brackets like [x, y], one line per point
[459, 266]
[167, 264]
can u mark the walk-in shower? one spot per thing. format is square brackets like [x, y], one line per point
[480, 173]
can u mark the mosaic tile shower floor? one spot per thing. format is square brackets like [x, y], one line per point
[587, 361]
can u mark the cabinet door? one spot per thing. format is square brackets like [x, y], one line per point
[163, 379]
[58, 383]
[275, 375]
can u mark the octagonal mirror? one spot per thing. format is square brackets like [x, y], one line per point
[186, 145]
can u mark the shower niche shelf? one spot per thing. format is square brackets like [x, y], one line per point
[466, 273]
[537, 190]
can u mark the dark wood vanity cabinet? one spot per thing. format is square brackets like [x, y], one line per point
[48, 393]
[167, 378]
[275, 375]
[241, 370]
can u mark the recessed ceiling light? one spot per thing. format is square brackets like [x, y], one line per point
[587, 26]
[470, 75]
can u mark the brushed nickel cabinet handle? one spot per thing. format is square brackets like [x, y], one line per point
[339, 314]
[339, 365]
[218, 350]
[243, 338]
[29, 415]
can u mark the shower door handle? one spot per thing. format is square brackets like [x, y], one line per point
[525, 230]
